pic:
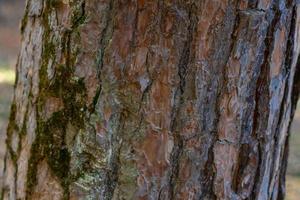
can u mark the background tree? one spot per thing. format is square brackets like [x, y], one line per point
[120, 99]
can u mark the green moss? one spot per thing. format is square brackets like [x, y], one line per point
[2, 194]
[54, 3]
[50, 146]
[50, 143]
[11, 128]
[54, 148]
[79, 17]
[12, 125]
[35, 158]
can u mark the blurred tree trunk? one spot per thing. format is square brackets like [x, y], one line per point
[153, 100]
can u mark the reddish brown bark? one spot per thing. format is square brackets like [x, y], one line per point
[153, 100]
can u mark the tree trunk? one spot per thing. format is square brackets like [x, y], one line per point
[120, 99]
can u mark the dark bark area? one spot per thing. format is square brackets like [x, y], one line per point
[153, 100]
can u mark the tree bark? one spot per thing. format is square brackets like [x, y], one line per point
[120, 99]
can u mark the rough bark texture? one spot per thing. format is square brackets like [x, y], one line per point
[120, 99]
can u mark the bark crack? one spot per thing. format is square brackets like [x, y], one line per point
[261, 111]
[106, 36]
[182, 72]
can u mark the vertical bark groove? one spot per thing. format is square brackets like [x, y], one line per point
[183, 65]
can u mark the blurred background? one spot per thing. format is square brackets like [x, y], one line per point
[11, 12]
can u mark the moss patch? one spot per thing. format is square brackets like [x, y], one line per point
[50, 143]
